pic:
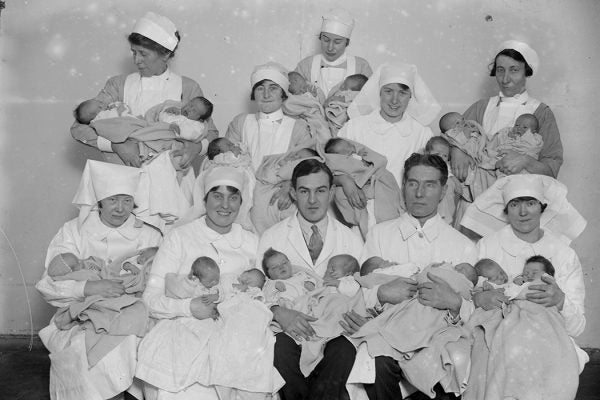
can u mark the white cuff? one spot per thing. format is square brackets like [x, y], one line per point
[204, 143]
[185, 310]
[104, 144]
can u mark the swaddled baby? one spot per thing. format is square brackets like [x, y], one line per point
[188, 121]
[336, 105]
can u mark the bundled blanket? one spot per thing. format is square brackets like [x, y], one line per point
[336, 109]
[308, 108]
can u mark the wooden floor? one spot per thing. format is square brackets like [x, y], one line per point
[24, 374]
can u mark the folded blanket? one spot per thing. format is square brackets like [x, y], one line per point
[336, 107]
[310, 110]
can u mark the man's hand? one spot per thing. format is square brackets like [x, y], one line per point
[105, 287]
[549, 294]
[461, 163]
[397, 291]
[146, 255]
[129, 152]
[490, 299]
[294, 323]
[438, 294]
[352, 322]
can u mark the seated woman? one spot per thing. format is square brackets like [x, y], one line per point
[153, 43]
[550, 370]
[106, 229]
[513, 64]
[186, 338]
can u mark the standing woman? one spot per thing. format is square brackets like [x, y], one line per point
[106, 229]
[153, 43]
[333, 65]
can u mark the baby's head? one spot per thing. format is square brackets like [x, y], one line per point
[451, 120]
[535, 267]
[276, 265]
[340, 266]
[198, 109]
[491, 270]
[439, 146]
[252, 278]
[525, 122]
[354, 82]
[87, 111]
[298, 85]
[302, 153]
[339, 146]
[468, 271]
[206, 270]
[220, 146]
[373, 263]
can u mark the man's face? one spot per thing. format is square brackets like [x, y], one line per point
[423, 192]
[313, 194]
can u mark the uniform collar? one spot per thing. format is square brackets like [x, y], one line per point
[165, 76]
[234, 237]
[130, 230]
[306, 226]
[382, 127]
[521, 98]
[514, 246]
[409, 226]
[275, 116]
[336, 63]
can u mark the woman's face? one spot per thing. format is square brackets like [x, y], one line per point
[148, 62]
[393, 99]
[524, 215]
[222, 207]
[332, 46]
[268, 96]
[510, 75]
[115, 210]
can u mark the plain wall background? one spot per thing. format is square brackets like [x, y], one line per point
[55, 54]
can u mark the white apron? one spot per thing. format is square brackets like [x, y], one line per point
[502, 112]
[329, 75]
[266, 136]
[142, 93]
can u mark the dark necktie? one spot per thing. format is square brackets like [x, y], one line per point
[315, 244]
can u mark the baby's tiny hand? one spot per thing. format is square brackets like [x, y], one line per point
[209, 298]
[129, 267]
[280, 286]
[519, 280]
[309, 286]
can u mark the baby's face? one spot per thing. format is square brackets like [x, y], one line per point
[440, 150]
[495, 274]
[468, 271]
[90, 109]
[208, 277]
[226, 145]
[524, 123]
[533, 271]
[453, 121]
[345, 148]
[298, 84]
[250, 279]
[279, 267]
[194, 110]
[336, 269]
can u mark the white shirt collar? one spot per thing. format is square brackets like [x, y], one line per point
[341, 59]
[306, 226]
[234, 237]
[130, 229]
[410, 226]
[162, 77]
[275, 116]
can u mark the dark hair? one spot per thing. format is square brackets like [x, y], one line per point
[436, 140]
[515, 55]
[310, 166]
[209, 107]
[347, 39]
[141, 40]
[206, 261]
[214, 147]
[479, 265]
[524, 198]
[548, 267]
[312, 152]
[259, 274]
[359, 80]
[428, 160]
[268, 254]
[350, 261]
[331, 143]
[231, 189]
[257, 84]
[78, 111]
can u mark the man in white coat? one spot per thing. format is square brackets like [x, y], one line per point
[309, 239]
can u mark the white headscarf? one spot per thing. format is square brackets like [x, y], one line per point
[272, 71]
[422, 106]
[157, 28]
[486, 214]
[526, 51]
[339, 22]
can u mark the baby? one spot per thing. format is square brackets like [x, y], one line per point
[522, 138]
[466, 135]
[340, 274]
[300, 86]
[65, 263]
[188, 121]
[248, 280]
[90, 110]
[344, 147]
[534, 268]
[221, 146]
[284, 285]
[336, 105]
[202, 281]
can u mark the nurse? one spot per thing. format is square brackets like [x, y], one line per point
[328, 69]
[153, 43]
[107, 229]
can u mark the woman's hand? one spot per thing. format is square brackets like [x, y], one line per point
[397, 291]
[282, 196]
[202, 310]
[352, 322]
[461, 162]
[188, 153]
[549, 294]
[294, 323]
[355, 195]
[129, 152]
[105, 287]
[146, 255]
[490, 299]
[438, 294]
[512, 162]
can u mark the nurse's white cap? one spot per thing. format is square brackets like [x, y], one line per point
[339, 22]
[272, 71]
[401, 73]
[523, 186]
[158, 28]
[224, 176]
[101, 180]
[526, 51]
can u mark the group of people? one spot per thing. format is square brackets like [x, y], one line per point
[317, 253]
